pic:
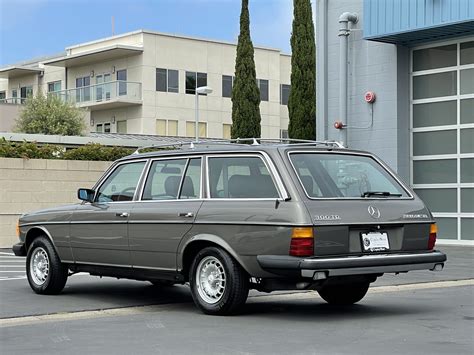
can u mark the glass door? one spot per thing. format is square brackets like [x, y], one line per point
[99, 89]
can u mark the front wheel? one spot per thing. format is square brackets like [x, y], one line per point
[219, 285]
[46, 274]
[345, 294]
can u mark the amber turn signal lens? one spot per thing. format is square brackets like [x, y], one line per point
[302, 232]
[432, 237]
[18, 229]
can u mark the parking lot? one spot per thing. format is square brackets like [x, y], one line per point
[413, 313]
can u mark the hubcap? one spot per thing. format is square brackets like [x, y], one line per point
[210, 279]
[39, 266]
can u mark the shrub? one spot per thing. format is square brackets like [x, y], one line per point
[50, 115]
[31, 150]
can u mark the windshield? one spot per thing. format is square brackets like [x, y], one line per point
[344, 176]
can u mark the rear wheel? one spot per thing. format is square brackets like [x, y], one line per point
[219, 285]
[344, 294]
[46, 274]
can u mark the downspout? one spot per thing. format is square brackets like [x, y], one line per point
[321, 16]
[344, 32]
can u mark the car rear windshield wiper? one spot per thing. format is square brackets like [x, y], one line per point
[379, 193]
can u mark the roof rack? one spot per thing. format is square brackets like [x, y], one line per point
[239, 141]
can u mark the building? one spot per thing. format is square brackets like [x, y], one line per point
[144, 82]
[418, 59]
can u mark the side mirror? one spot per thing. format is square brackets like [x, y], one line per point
[86, 195]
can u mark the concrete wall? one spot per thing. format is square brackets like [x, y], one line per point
[8, 114]
[374, 67]
[28, 185]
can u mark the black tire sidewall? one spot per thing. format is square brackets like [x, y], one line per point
[226, 302]
[55, 266]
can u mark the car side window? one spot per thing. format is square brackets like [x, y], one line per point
[191, 188]
[121, 184]
[240, 177]
[164, 179]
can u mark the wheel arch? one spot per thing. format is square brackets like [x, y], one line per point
[36, 232]
[192, 246]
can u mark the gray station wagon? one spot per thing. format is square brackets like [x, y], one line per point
[228, 217]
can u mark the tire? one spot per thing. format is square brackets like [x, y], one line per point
[219, 285]
[345, 294]
[46, 274]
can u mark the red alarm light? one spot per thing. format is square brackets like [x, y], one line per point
[369, 97]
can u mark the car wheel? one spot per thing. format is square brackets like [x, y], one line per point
[219, 285]
[46, 274]
[345, 294]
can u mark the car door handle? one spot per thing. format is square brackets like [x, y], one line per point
[122, 214]
[186, 214]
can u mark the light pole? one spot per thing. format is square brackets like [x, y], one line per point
[200, 90]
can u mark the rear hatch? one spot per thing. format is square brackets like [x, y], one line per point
[372, 226]
[357, 204]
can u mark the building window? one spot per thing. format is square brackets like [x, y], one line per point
[284, 133]
[442, 149]
[195, 80]
[106, 127]
[167, 80]
[190, 132]
[122, 126]
[227, 83]
[3, 95]
[167, 127]
[99, 128]
[25, 92]
[226, 131]
[83, 92]
[172, 128]
[54, 86]
[122, 79]
[14, 96]
[284, 93]
[263, 87]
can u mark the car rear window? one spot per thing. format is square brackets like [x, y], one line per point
[344, 176]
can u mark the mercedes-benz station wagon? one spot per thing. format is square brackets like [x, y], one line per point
[228, 217]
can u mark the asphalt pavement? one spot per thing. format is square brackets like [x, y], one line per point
[430, 312]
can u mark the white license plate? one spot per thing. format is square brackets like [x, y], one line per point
[375, 241]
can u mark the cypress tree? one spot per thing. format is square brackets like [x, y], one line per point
[302, 100]
[245, 94]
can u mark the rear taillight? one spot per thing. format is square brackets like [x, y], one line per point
[432, 237]
[302, 242]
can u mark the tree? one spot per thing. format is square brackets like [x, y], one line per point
[302, 100]
[50, 115]
[245, 94]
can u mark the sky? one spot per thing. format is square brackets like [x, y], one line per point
[36, 28]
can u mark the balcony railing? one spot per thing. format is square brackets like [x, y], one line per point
[99, 93]
[13, 100]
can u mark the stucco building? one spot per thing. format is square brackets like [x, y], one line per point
[144, 82]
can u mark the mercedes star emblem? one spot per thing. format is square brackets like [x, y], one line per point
[374, 211]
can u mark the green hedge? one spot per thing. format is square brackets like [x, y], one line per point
[31, 150]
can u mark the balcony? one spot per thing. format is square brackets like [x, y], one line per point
[113, 94]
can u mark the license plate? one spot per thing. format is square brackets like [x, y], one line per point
[375, 241]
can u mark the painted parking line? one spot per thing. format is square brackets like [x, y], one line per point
[12, 267]
[134, 310]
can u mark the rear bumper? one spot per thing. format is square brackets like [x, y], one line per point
[19, 249]
[323, 267]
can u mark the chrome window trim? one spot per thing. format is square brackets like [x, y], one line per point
[276, 178]
[99, 184]
[174, 157]
[387, 169]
